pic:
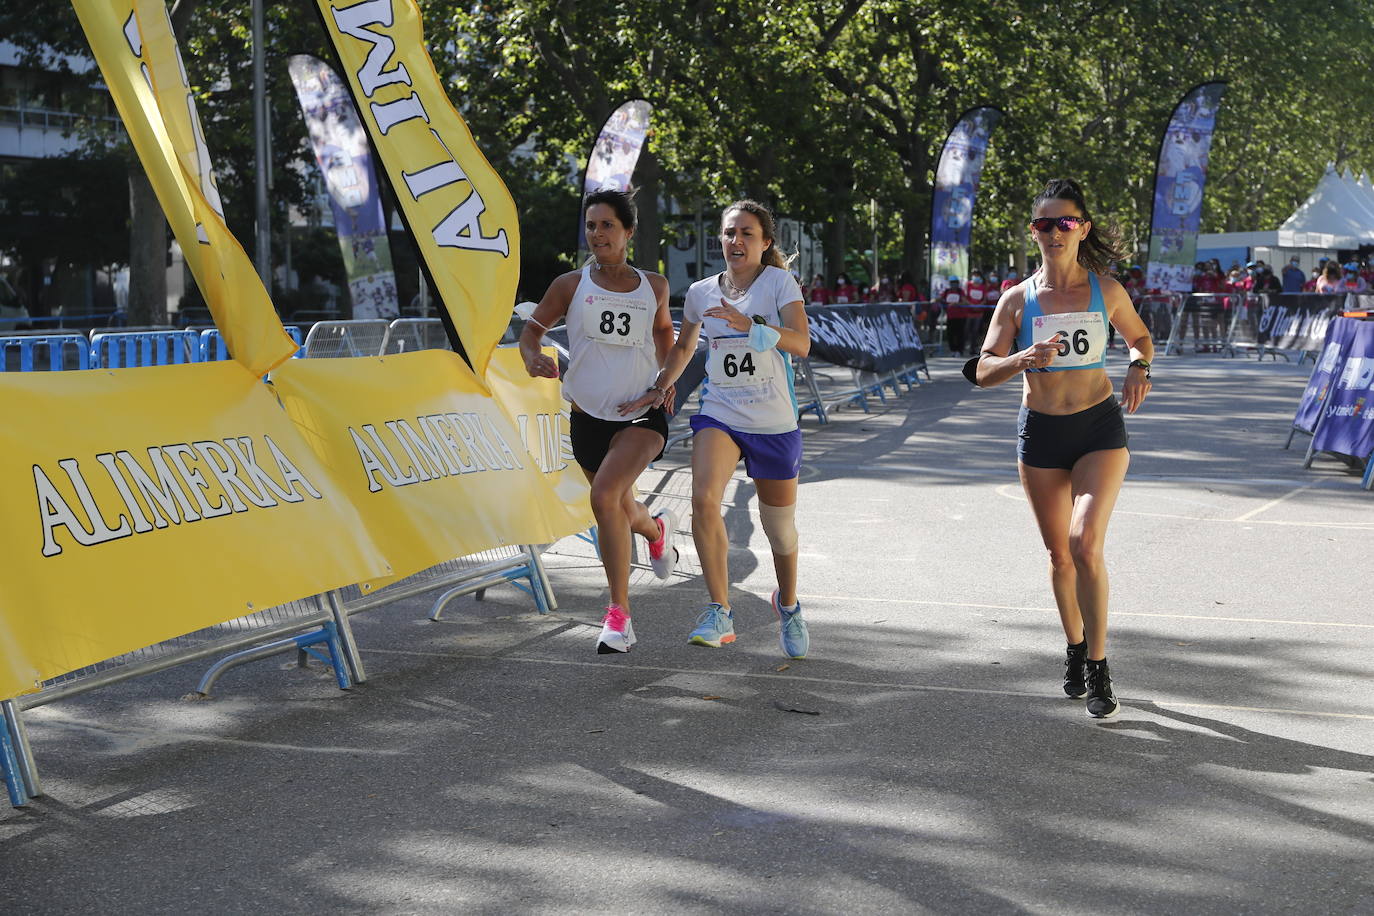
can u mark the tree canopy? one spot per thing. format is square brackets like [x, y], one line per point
[818, 107]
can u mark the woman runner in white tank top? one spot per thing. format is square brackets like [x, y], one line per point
[619, 332]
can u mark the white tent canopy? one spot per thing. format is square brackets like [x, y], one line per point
[1338, 206]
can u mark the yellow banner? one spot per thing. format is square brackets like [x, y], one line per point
[459, 211]
[541, 415]
[434, 465]
[133, 43]
[143, 504]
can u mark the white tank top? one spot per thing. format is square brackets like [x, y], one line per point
[611, 347]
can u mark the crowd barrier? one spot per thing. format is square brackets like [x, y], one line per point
[315, 627]
[1332, 409]
[116, 349]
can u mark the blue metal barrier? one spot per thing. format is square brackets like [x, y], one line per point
[131, 349]
[212, 349]
[58, 347]
[9, 767]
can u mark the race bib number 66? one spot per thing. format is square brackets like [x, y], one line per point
[1082, 337]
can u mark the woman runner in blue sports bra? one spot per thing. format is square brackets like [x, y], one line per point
[1072, 437]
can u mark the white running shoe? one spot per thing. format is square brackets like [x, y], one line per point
[617, 632]
[662, 553]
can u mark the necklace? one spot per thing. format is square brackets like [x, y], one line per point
[737, 291]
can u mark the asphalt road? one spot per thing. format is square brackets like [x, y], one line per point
[923, 759]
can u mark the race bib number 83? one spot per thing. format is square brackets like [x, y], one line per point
[619, 321]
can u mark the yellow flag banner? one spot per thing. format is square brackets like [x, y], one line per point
[462, 217]
[434, 465]
[143, 504]
[541, 415]
[133, 43]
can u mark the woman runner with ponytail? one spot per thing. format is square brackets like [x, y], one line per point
[755, 321]
[1072, 437]
[619, 331]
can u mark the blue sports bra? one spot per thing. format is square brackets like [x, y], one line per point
[1083, 335]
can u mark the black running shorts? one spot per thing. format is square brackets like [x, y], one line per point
[591, 436]
[1046, 440]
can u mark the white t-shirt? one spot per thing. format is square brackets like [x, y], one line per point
[748, 391]
[612, 358]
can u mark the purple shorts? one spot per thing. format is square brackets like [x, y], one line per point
[767, 456]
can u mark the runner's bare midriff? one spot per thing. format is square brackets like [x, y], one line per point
[1065, 392]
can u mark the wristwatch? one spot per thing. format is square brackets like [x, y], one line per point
[1144, 364]
[759, 319]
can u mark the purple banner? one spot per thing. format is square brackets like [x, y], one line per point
[1347, 419]
[956, 187]
[345, 161]
[613, 158]
[1179, 182]
[1339, 334]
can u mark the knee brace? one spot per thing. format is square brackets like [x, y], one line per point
[780, 524]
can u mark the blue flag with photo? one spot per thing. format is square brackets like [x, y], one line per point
[1180, 179]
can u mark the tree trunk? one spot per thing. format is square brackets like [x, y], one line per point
[649, 232]
[835, 245]
[915, 222]
[147, 252]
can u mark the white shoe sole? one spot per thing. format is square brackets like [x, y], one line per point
[663, 569]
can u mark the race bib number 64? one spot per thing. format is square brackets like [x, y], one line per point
[732, 363]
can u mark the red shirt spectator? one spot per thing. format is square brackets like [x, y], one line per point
[818, 294]
[954, 301]
[976, 293]
[1012, 279]
[845, 291]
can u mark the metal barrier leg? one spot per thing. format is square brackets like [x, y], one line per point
[540, 581]
[1311, 452]
[9, 769]
[475, 585]
[1368, 482]
[346, 640]
[327, 634]
[23, 751]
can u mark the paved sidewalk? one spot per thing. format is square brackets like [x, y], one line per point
[923, 759]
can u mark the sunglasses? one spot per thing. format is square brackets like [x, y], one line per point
[1065, 223]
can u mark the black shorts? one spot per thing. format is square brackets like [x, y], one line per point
[1046, 440]
[591, 436]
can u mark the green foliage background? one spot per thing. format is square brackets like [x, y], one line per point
[818, 106]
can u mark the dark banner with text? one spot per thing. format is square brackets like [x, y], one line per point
[1297, 321]
[878, 337]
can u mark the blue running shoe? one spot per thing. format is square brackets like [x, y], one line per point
[715, 626]
[792, 635]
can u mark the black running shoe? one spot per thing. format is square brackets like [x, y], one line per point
[1102, 702]
[1075, 685]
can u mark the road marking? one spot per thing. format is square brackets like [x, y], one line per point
[847, 682]
[1049, 610]
[1273, 502]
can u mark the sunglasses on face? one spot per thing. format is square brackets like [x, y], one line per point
[1065, 223]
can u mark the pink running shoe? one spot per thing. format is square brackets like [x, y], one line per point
[662, 553]
[617, 632]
